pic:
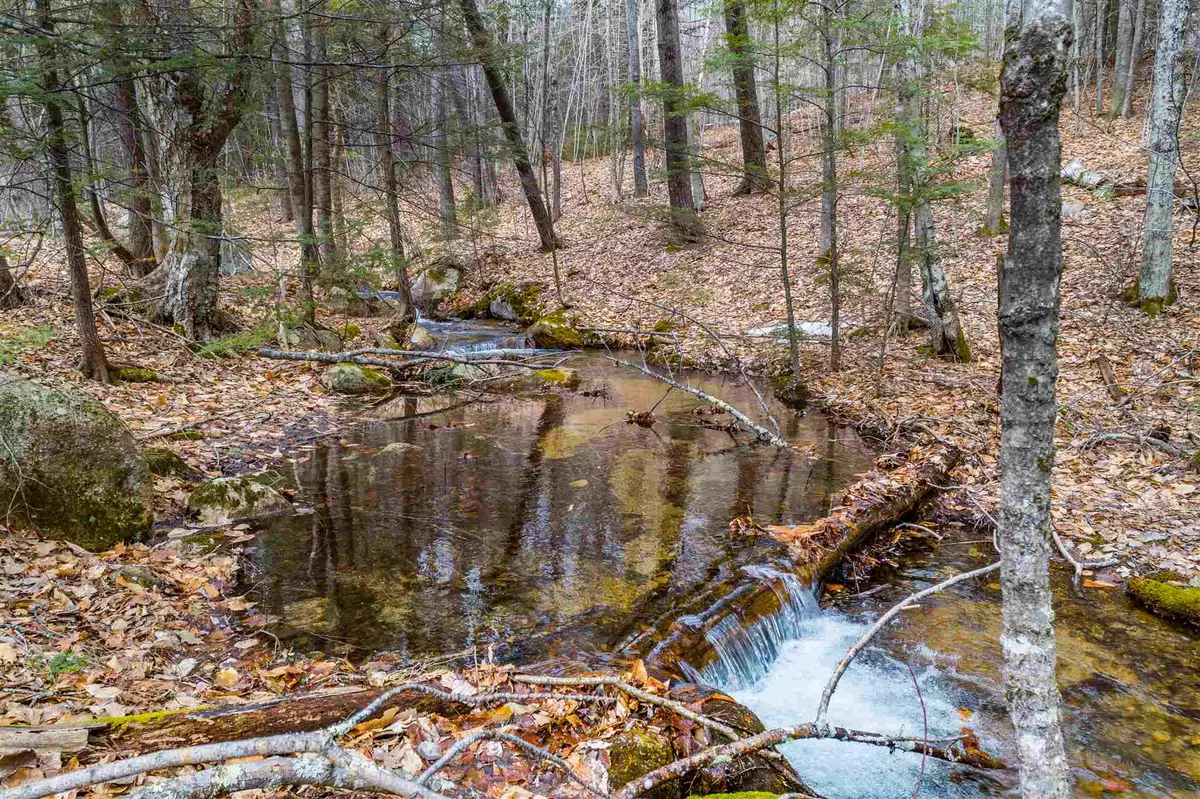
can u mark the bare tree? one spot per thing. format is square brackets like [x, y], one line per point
[1155, 285]
[11, 295]
[637, 118]
[1032, 85]
[384, 136]
[1101, 26]
[754, 155]
[1124, 56]
[685, 225]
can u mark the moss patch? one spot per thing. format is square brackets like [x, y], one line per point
[555, 331]
[567, 378]
[350, 378]
[634, 754]
[134, 374]
[165, 463]
[1159, 595]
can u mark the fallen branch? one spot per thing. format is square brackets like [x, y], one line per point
[844, 663]
[762, 432]
[1079, 566]
[762, 740]
[520, 743]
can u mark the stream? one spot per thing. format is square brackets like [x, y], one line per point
[551, 528]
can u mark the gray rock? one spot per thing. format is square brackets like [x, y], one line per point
[429, 751]
[230, 499]
[421, 339]
[350, 378]
[501, 309]
[69, 468]
[1072, 208]
[437, 282]
[315, 338]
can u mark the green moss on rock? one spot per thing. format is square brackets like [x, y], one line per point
[69, 468]
[1159, 595]
[230, 499]
[555, 331]
[634, 754]
[350, 378]
[165, 463]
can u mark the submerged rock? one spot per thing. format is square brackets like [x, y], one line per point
[69, 468]
[350, 378]
[539, 380]
[230, 499]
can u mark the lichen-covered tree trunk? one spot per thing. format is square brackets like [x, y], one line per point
[637, 119]
[192, 268]
[1135, 49]
[1124, 56]
[754, 154]
[93, 362]
[1155, 286]
[482, 44]
[684, 223]
[945, 328]
[1032, 85]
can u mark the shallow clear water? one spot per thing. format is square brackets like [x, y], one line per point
[541, 526]
[1130, 683]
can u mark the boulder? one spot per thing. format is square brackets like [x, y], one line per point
[437, 282]
[538, 381]
[230, 499]
[421, 339]
[502, 309]
[350, 378]
[69, 468]
[166, 463]
[315, 338]
[633, 754]
[555, 331]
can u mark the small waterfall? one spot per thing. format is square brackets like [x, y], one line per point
[745, 654]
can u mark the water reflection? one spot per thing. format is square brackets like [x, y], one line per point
[537, 525]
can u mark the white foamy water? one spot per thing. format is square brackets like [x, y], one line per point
[876, 694]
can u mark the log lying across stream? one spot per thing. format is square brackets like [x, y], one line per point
[680, 644]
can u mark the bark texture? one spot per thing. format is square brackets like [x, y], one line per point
[92, 359]
[994, 224]
[637, 117]
[482, 44]
[1155, 287]
[1124, 55]
[384, 136]
[1101, 25]
[1032, 85]
[754, 155]
[684, 223]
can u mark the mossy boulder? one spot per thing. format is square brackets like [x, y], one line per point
[165, 463]
[231, 499]
[315, 338]
[634, 754]
[436, 282]
[350, 378]
[1167, 594]
[792, 392]
[555, 331]
[69, 468]
[539, 381]
[512, 302]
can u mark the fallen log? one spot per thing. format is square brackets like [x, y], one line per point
[1075, 173]
[876, 503]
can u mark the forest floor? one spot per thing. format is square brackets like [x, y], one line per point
[1125, 478]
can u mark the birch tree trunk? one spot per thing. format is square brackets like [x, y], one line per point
[754, 154]
[683, 220]
[481, 41]
[1032, 85]
[1124, 53]
[93, 362]
[1155, 285]
[1135, 50]
[637, 119]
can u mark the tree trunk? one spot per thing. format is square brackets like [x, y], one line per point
[337, 189]
[637, 119]
[93, 362]
[782, 207]
[271, 104]
[302, 211]
[684, 223]
[1155, 286]
[1124, 54]
[387, 171]
[11, 295]
[902, 303]
[322, 168]
[1101, 28]
[1135, 49]
[508, 120]
[1032, 85]
[828, 253]
[754, 155]
[447, 217]
[137, 198]
[945, 328]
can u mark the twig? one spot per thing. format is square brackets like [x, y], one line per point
[844, 663]
[762, 432]
[925, 721]
[1079, 566]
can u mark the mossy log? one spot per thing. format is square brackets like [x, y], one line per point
[1167, 595]
[874, 504]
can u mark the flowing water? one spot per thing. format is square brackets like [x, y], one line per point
[550, 526]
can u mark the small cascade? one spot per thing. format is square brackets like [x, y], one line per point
[462, 337]
[745, 653]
